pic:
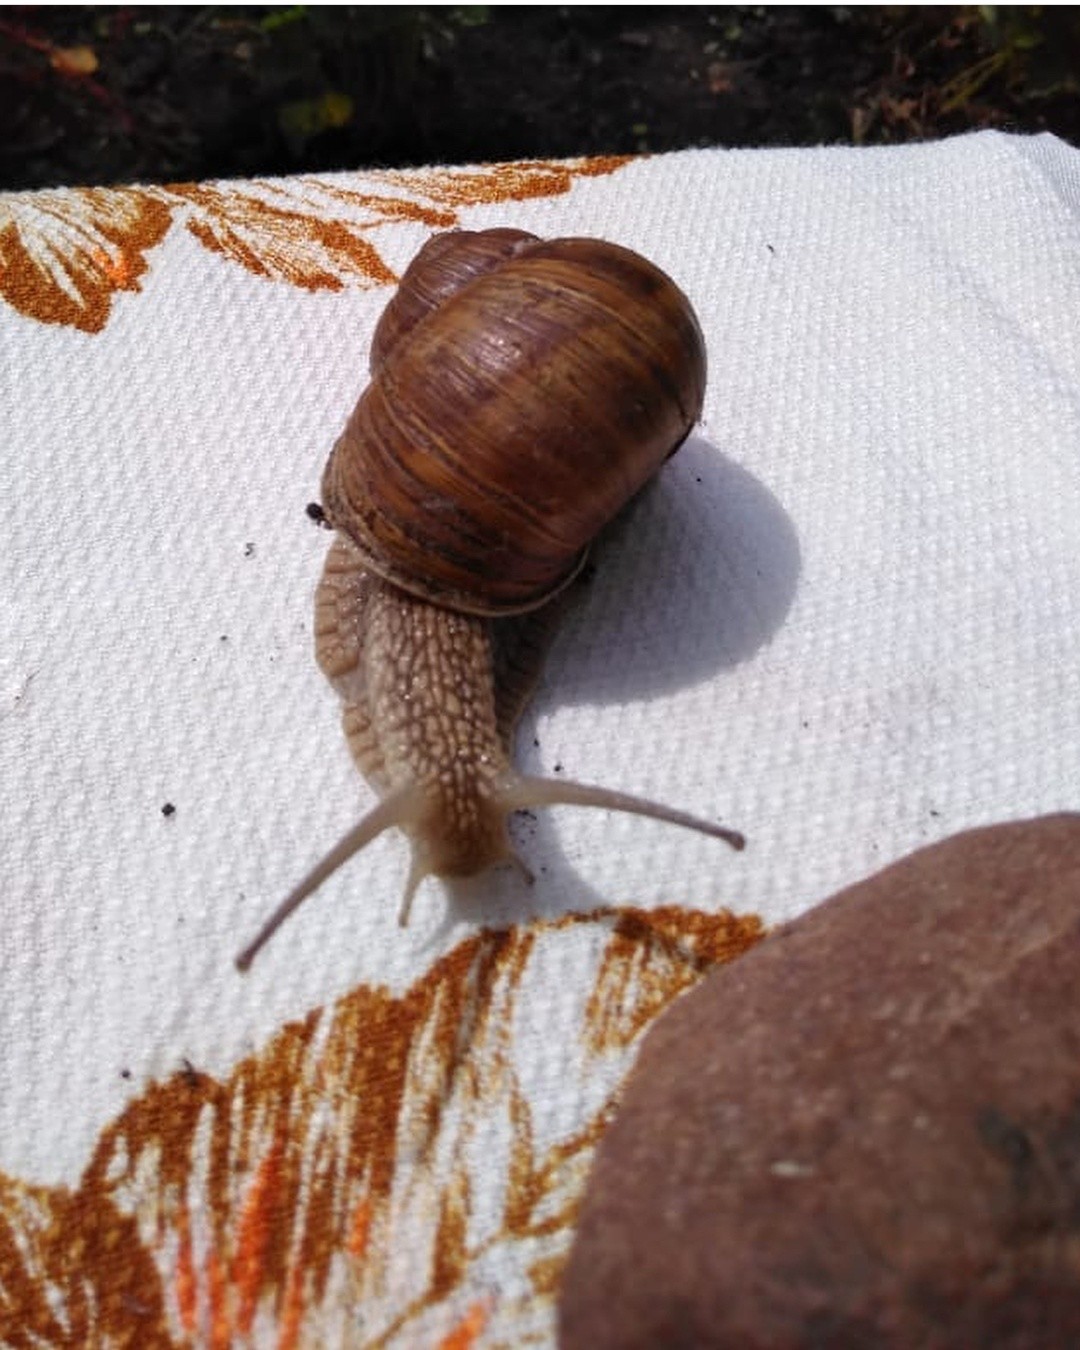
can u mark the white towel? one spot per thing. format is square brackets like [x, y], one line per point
[843, 620]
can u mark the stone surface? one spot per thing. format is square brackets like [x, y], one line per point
[865, 1132]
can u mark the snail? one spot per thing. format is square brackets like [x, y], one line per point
[521, 392]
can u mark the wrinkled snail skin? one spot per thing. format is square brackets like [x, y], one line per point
[522, 392]
[418, 690]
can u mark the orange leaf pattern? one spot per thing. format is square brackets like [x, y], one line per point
[285, 240]
[388, 1171]
[66, 252]
[501, 182]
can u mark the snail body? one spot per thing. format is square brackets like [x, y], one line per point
[522, 392]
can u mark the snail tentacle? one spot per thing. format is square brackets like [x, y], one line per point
[521, 791]
[399, 808]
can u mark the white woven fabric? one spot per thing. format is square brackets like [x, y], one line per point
[844, 620]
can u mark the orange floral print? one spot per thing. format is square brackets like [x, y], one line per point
[501, 182]
[464, 1335]
[385, 1172]
[66, 252]
[279, 239]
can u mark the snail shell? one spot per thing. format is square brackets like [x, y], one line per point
[522, 392]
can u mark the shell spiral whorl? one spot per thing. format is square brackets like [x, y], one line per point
[522, 392]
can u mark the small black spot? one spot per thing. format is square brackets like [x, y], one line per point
[317, 514]
[224, 637]
[249, 550]
[558, 768]
[168, 810]
[189, 1072]
[536, 742]
[125, 1073]
[770, 248]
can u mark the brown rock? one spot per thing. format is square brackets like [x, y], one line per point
[865, 1133]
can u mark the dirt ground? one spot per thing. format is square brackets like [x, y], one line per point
[98, 95]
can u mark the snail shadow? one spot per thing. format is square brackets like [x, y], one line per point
[696, 577]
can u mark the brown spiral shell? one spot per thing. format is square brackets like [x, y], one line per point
[522, 392]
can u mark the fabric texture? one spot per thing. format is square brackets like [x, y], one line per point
[843, 620]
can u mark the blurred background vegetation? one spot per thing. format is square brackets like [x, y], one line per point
[99, 95]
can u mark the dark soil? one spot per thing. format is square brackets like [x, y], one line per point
[98, 95]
